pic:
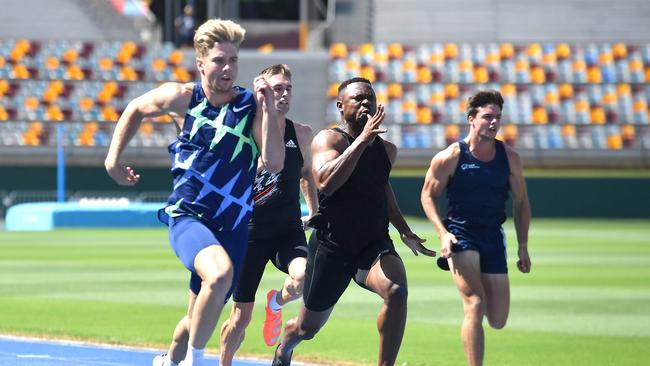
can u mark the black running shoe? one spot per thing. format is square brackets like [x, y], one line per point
[277, 361]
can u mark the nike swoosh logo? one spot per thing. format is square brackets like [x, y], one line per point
[235, 109]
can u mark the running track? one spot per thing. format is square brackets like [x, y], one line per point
[35, 352]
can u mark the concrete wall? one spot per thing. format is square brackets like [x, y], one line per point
[418, 21]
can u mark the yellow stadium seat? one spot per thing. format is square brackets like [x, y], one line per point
[146, 129]
[105, 64]
[20, 71]
[619, 51]
[86, 104]
[423, 115]
[368, 72]
[74, 72]
[452, 133]
[540, 116]
[424, 75]
[623, 90]
[4, 86]
[594, 75]
[534, 51]
[332, 90]
[52, 63]
[639, 105]
[266, 48]
[176, 57]
[128, 73]
[566, 91]
[109, 114]
[54, 113]
[451, 51]
[395, 51]
[537, 75]
[598, 116]
[31, 103]
[395, 91]
[635, 65]
[568, 130]
[614, 142]
[506, 51]
[181, 74]
[628, 135]
[70, 56]
[610, 98]
[510, 134]
[606, 58]
[481, 75]
[563, 51]
[338, 50]
[367, 50]
[158, 64]
[508, 90]
[451, 91]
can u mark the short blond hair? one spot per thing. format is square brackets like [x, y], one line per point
[217, 31]
[281, 69]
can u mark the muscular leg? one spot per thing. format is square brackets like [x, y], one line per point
[233, 330]
[303, 327]
[387, 278]
[178, 346]
[466, 271]
[214, 267]
[497, 298]
[292, 289]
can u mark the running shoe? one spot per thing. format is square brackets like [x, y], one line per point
[272, 323]
[159, 360]
[276, 361]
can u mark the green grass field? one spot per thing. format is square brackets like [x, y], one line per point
[586, 302]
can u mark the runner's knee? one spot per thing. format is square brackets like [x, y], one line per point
[307, 331]
[240, 319]
[497, 321]
[474, 307]
[218, 281]
[396, 294]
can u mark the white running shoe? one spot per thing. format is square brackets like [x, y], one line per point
[160, 359]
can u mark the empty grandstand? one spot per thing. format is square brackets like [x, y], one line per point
[577, 85]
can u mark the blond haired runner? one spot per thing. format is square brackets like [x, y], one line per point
[224, 130]
[276, 232]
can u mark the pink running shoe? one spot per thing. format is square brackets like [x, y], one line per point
[273, 322]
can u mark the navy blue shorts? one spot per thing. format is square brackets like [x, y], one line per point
[488, 241]
[189, 235]
[279, 245]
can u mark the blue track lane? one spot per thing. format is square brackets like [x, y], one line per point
[33, 352]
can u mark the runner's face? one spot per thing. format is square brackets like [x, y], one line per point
[358, 103]
[219, 66]
[487, 121]
[282, 90]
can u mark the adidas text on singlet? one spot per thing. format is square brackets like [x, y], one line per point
[214, 161]
[277, 196]
[478, 190]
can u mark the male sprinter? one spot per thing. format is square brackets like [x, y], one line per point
[214, 159]
[477, 173]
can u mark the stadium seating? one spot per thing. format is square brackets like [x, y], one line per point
[557, 95]
[592, 96]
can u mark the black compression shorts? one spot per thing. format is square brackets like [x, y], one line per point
[280, 245]
[330, 269]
